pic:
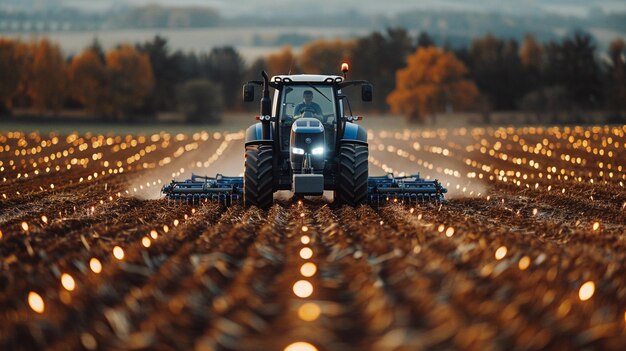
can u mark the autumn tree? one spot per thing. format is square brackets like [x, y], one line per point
[324, 56]
[616, 85]
[433, 81]
[531, 53]
[200, 101]
[89, 81]
[282, 62]
[167, 71]
[49, 76]
[497, 70]
[130, 77]
[572, 65]
[225, 66]
[377, 57]
[254, 71]
[424, 40]
[9, 71]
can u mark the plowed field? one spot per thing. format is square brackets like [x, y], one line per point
[528, 252]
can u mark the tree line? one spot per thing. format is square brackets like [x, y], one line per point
[411, 75]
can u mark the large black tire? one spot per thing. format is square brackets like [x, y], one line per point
[351, 184]
[258, 180]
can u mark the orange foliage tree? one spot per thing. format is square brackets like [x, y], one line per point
[325, 56]
[282, 62]
[10, 71]
[130, 79]
[531, 53]
[432, 82]
[48, 82]
[617, 79]
[89, 81]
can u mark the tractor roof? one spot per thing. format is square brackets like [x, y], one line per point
[313, 78]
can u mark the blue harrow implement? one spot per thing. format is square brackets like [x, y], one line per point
[380, 190]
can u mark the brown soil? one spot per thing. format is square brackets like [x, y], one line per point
[498, 266]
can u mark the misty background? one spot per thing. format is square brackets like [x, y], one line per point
[184, 61]
[258, 27]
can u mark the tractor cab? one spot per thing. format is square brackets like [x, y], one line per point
[321, 110]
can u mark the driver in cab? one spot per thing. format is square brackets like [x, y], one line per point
[307, 108]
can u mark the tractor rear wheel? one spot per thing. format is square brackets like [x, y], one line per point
[351, 184]
[258, 180]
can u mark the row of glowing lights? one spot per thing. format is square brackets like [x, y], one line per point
[217, 154]
[36, 301]
[564, 157]
[413, 158]
[539, 147]
[303, 288]
[501, 174]
[567, 133]
[82, 146]
[116, 142]
[118, 251]
[533, 164]
[585, 291]
[101, 141]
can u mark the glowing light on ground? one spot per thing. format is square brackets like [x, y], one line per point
[68, 282]
[596, 226]
[300, 346]
[118, 253]
[524, 263]
[305, 239]
[501, 252]
[25, 226]
[306, 253]
[449, 232]
[95, 265]
[145, 241]
[309, 311]
[586, 291]
[36, 302]
[308, 269]
[305, 228]
[303, 288]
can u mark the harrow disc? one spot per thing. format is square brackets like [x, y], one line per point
[225, 190]
[408, 190]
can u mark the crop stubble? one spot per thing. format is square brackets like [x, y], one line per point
[499, 265]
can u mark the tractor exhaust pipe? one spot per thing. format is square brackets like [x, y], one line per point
[266, 106]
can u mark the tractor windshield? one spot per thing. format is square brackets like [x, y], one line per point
[308, 100]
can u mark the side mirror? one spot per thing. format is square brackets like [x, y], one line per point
[366, 92]
[248, 92]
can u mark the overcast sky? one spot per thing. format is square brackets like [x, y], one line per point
[388, 7]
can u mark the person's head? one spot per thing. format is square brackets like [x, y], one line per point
[307, 96]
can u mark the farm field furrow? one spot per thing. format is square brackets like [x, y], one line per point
[527, 251]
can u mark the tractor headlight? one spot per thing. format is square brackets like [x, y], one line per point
[297, 151]
[317, 151]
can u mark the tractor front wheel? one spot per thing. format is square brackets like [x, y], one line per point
[351, 184]
[258, 180]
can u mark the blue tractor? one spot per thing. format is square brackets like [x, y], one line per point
[307, 141]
